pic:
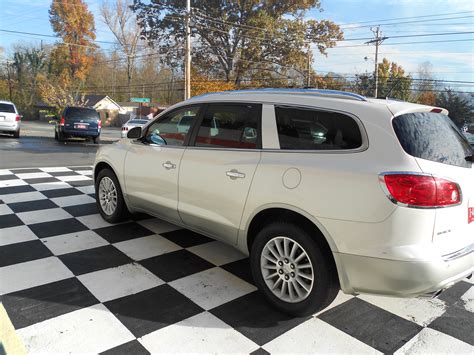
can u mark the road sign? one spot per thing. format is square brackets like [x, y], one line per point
[140, 99]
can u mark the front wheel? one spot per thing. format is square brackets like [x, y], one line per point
[109, 197]
[292, 271]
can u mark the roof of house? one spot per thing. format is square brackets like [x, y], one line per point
[92, 100]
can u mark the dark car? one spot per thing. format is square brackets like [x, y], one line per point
[79, 122]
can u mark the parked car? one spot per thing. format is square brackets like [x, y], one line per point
[138, 121]
[325, 190]
[10, 119]
[81, 122]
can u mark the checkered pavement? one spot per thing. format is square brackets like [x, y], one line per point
[71, 282]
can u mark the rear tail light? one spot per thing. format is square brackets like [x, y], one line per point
[62, 121]
[99, 124]
[18, 118]
[415, 190]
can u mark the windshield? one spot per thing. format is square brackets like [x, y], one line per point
[81, 113]
[432, 136]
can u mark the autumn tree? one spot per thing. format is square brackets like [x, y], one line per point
[123, 24]
[425, 88]
[74, 24]
[238, 40]
[393, 82]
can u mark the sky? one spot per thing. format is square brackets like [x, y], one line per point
[452, 59]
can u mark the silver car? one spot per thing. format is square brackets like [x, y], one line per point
[138, 121]
[324, 190]
[10, 119]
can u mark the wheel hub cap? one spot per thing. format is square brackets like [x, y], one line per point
[287, 269]
[107, 195]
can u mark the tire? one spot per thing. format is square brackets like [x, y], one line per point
[55, 135]
[16, 134]
[116, 213]
[96, 140]
[317, 294]
[60, 137]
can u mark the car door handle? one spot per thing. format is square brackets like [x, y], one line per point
[234, 174]
[169, 165]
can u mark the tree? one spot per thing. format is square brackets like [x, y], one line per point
[363, 84]
[74, 23]
[393, 82]
[123, 24]
[425, 87]
[233, 38]
[459, 108]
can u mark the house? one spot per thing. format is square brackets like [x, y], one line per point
[107, 108]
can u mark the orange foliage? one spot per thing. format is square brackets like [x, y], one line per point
[203, 85]
[74, 23]
[427, 98]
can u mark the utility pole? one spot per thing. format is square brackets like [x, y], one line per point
[378, 41]
[308, 83]
[187, 53]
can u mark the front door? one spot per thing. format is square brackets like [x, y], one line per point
[152, 164]
[217, 169]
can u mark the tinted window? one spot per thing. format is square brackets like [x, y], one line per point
[81, 113]
[138, 121]
[7, 108]
[309, 129]
[229, 126]
[172, 128]
[432, 136]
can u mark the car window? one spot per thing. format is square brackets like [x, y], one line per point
[172, 128]
[309, 129]
[7, 108]
[432, 136]
[138, 121]
[81, 113]
[229, 126]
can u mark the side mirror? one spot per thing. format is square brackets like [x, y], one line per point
[134, 133]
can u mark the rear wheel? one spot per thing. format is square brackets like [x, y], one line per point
[293, 272]
[96, 140]
[55, 135]
[109, 197]
[60, 136]
[16, 134]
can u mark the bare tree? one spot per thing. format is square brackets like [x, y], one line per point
[122, 22]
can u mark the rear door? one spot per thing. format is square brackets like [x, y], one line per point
[218, 167]
[8, 115]
[81, 119]
[441, 149]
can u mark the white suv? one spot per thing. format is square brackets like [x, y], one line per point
[10, 119]
[325, 190]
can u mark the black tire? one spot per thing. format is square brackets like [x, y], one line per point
[16, 134]
[121, 212]
[60, 137]
[96, 140]
[325, 284]
[55, 135]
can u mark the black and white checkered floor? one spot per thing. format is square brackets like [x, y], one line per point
[70, 282]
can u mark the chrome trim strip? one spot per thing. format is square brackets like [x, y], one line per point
[394, 201]
[459, 254]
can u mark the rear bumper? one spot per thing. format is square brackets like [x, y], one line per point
[361, 274]
[80, 133]
[9, 126]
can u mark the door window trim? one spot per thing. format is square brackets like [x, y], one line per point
[195, 130]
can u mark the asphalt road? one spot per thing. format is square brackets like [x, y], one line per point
[36, 147]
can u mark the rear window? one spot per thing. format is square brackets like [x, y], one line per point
[8, 108]
[432, 136]
[81, 113]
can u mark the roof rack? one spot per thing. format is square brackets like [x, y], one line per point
[315, 92]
